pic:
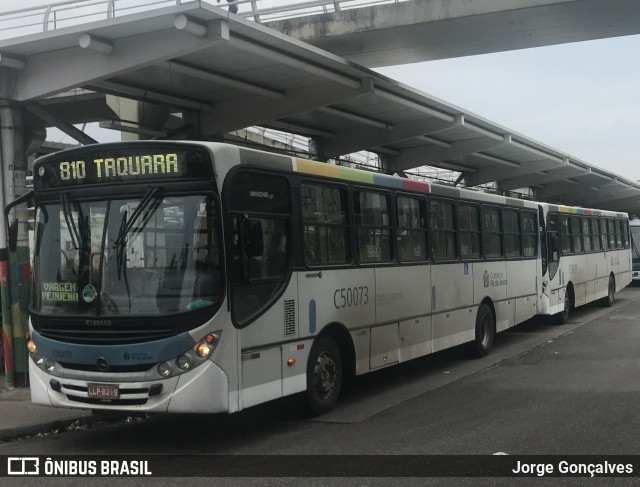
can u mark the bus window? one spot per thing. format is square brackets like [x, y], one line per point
[259, 242]
[469, 218]
[512, 233]
[612, 234]
[443, 230]
[491, 232]
[324, 224]
[595, 234]
[371, 215]
[625, 233]
[586, 234]
[553, 232]
[529, 234]
[576, 232]
[567, 248]
[544, 248]
[618, 227]
[604, 234]
[412, 233]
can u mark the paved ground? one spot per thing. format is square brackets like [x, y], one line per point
[18, 417]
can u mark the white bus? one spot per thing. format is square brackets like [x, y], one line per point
[204, 277]
[589, 257]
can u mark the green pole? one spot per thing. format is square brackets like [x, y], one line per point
[7, 326]
[19, 325]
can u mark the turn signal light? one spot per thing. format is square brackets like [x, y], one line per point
[31, 346]
[291, 361]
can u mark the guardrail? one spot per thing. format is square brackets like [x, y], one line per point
[67, 13]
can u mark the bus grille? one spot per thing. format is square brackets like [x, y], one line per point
[128, 396]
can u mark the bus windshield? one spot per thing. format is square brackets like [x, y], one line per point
[147, 256]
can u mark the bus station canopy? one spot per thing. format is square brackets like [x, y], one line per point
[225, 73]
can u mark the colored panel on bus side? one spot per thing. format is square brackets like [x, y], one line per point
[359, 176]
[413, 185]
[317, 169]
[568, 209]
[356, 175]
[388, 181]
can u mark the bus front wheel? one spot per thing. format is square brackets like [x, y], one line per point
[485, 332]
[324, 376]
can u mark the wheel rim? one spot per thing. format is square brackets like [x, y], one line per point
[325, 376]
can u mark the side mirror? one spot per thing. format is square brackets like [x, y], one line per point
[253, 241]
[13, 227]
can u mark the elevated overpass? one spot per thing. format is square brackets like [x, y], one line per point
[424, 30]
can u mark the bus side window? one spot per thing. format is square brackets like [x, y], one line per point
[412, 234]
[373, 226]
[492, 232]
[325, 225]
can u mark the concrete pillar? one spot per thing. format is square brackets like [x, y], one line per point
[146, 115]
[387, 164]
[316, 149]
[14, 262]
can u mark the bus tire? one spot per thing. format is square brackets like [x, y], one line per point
[611, 293]
[485, 332]
[324, 376]
[563, 317]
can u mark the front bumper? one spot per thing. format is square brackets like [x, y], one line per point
[204, 389]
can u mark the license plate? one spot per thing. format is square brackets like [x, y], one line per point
[103, 391]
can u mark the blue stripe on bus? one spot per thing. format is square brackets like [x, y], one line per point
[127, 354]
[312, 316]
[388, 181]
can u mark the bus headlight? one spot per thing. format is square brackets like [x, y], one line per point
[192, 358]
[184, 362]
[164, 369]
[37, 358]
[49, 365]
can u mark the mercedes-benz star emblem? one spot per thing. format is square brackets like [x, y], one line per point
[102, 364]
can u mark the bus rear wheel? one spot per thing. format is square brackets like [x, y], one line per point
[324, 376]
[611, 292]
[485, 332]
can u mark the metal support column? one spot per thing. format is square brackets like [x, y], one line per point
[14, 261]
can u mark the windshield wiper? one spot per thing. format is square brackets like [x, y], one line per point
[71, 225]
[126, 226]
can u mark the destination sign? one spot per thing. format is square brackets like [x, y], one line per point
[113, 164]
